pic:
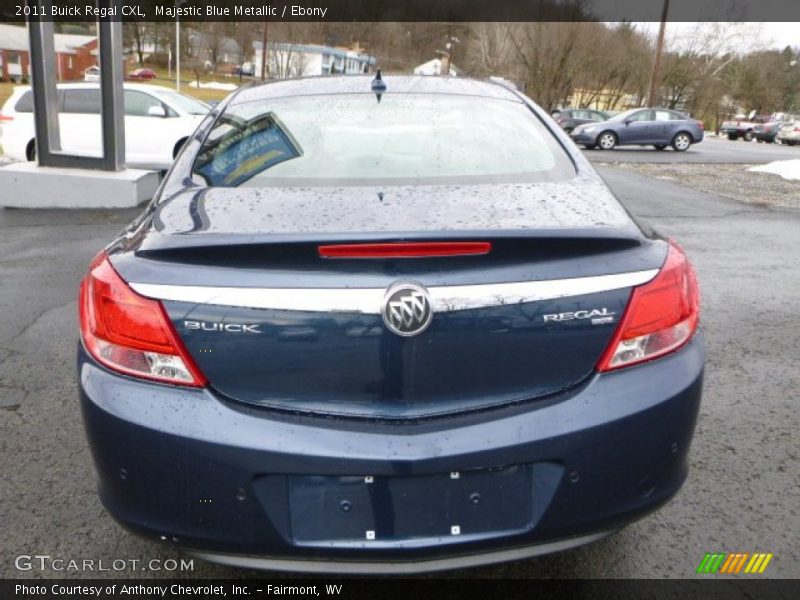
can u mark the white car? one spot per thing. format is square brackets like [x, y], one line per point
[789, 133]
[157, 122]
[92, 74]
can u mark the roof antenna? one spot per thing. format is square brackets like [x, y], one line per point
[378, 86]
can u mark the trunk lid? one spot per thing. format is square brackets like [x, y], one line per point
[270, 322]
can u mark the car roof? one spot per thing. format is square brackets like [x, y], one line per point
[361, 84]
[77, 85]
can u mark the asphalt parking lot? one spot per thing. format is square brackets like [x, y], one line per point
[710, 150]
[742, 492]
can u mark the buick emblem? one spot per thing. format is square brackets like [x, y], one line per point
[407, 309]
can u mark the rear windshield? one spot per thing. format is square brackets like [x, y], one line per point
[25, 103]
[187, 104]
[352, 139]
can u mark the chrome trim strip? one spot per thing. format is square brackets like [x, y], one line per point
[368, 300]
[408, 567]
[463, 297]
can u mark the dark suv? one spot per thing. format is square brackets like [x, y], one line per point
[570, 118]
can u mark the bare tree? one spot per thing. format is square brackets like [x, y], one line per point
[214, 41]
[285, 61]
[243, 34]
[491, 51]
[133, 35]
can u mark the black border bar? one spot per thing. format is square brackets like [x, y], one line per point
[369, 589]
[412, 10]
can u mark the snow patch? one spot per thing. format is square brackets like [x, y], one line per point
[215, 85]
[788, 169]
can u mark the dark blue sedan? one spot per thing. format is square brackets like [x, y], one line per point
[643, 127]
[388, 326]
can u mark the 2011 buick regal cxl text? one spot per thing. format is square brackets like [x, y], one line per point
[386, 325]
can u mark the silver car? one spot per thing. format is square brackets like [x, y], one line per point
[789, 133]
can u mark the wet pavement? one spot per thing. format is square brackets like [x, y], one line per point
[741, 495]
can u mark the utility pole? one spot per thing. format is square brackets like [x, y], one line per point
[655, 75]
[264, 54]
[449, 48]
[177, 53]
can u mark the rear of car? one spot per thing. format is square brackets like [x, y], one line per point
[570, 118]
[789, 133]
[92, 74]
[13, 127]
[767, 131]
[386, 331]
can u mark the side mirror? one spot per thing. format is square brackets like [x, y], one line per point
[156, 111]
[628, 121]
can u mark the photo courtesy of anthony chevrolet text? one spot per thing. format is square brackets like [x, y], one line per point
[404, 298]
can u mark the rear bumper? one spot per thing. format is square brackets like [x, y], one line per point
[389, 567]
[182, 465]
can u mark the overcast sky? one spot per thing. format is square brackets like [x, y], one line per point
[772, 35]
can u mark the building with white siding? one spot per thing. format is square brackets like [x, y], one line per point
[305, 60]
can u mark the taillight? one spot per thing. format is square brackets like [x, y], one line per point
[404, 250]
[5, 118]
[129, 333]
[662, 315]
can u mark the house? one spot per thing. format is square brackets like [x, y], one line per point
[603, 99]
[305, 60]
[74, 54]
[435, 67]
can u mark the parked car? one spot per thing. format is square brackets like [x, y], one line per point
[401, 335]
[789, 133]
[247, 68]
[743, 127]
[92, 74]
[642, 126]
[157, 122]
[767, 131]
[142, 75]
[570, 118]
